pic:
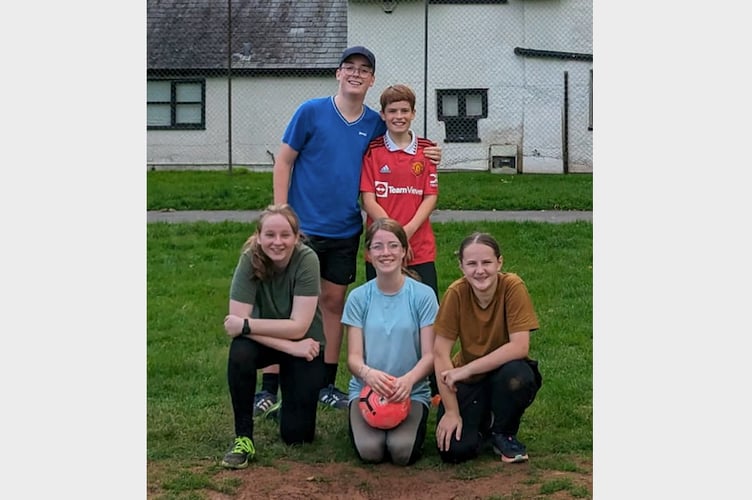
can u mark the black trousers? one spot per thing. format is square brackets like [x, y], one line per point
[506, 393]
[299, 382]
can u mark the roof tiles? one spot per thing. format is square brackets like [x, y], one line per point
[269, 34]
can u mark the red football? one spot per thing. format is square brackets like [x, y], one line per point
[379, 413]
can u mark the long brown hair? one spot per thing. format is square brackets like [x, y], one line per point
[262, 268]
[394, 227]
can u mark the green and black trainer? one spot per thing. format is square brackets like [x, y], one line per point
[240, 453]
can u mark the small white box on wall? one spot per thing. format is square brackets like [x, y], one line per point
[502, 158]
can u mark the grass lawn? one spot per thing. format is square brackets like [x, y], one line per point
[244, 190]
[189, 268]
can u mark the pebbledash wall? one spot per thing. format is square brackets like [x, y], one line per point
[531, 58]
[261, 108]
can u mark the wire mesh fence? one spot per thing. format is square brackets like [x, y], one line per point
[504, 86]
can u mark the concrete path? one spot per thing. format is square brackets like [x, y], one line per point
[554, 216]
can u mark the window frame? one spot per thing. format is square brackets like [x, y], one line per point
[174, 104]
[461, 127]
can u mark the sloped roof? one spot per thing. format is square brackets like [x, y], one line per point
[281, 34]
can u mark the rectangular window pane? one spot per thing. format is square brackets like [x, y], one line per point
[187, 113]
[188, 92]
[158, 115]
[449, 105]
[157, 91]
[175, 104]
[473, 105]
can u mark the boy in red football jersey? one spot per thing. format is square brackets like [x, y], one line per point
[397, 181]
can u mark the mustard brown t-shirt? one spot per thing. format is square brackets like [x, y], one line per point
[480, 330]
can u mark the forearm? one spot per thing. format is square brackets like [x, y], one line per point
[282, 345]
[282, 171]
[421, 370]
[281, 181]
[355, 361]
[288, 329]
[491, 361]
[448, 396]
[292, 328]
[424, 211]
[372, 208]
[424, 367]
[356, 365]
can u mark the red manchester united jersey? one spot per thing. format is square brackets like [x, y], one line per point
[400, 178]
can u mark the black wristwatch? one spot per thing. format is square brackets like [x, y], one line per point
[246, 327]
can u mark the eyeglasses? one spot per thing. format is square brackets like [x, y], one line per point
[349, 69]
[393, 247]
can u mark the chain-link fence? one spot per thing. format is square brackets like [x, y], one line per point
[502, 85]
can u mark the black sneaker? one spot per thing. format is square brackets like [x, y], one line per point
[240, 453]
[331, 396]
[264, 402]
[510, 450]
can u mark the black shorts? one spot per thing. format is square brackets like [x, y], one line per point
[337, 257]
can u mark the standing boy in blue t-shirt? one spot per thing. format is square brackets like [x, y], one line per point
[317, 171]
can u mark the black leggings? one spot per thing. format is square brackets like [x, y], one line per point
[506, 392]
[299, 382]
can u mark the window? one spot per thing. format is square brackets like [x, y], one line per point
[460, 110]
[175, 104]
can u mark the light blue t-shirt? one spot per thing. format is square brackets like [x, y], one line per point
[391, 330]
[325, 180]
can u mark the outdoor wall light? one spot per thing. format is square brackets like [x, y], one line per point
[389, 6]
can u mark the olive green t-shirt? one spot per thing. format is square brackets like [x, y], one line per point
[273, 299]
[480, 330]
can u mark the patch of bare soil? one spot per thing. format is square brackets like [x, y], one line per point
[386, 481]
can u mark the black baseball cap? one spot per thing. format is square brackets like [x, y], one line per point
[359, 49]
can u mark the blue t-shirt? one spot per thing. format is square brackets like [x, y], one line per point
[325, 180]
[391, 330]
